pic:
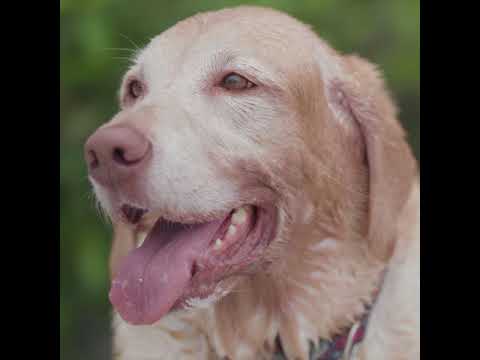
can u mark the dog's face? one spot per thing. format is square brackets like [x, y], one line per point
[223, 119]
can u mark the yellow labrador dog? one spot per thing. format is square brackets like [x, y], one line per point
[264, 199]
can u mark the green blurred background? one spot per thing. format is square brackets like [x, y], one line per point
[95, 38]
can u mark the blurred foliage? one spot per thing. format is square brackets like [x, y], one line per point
[96, 38]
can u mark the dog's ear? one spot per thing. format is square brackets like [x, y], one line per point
[123, 242]
[359, 95]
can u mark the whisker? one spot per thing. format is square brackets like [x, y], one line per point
[121, 49]
[98, 206]
[131, 41]
[122, 58]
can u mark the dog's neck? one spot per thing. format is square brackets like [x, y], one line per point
[294, 301]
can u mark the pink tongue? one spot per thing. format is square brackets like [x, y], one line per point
[154, 276]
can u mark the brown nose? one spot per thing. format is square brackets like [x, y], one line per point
[115, 152]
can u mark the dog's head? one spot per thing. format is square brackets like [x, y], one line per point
[237, 127]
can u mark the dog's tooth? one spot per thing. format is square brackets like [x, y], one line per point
[232, 229]
[141, 238]
[218, 244]
[239, 216]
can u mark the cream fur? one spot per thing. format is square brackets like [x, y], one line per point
[342, 221]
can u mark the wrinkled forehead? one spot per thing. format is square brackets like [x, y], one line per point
[272, 43]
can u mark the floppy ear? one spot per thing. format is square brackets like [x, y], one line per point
[361, 96]
[122, 243]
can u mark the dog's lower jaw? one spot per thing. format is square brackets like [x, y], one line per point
[245, 323]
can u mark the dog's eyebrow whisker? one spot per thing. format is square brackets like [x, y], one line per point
[131, 41]
[122, 58]
[121, 49]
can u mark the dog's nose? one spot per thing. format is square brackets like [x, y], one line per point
[116, 152]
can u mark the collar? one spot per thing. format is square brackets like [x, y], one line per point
[341, 347]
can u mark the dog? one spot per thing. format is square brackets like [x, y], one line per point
[264, 200]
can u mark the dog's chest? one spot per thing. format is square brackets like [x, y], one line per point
[181, 338]
[172, 338]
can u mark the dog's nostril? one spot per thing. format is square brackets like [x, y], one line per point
[119, 156]
[115, 151]
[127, 156]
[93, 160]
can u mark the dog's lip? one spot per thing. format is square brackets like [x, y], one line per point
[132, 214]
[143, 219]
[198, 257]
[150, 215]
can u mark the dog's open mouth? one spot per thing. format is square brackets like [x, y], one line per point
[179, 261]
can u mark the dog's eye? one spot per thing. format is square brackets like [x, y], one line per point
[135, 89]
[236, 82]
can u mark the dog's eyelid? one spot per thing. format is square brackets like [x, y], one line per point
[234, 81]
[226, 62]
[133, 89]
